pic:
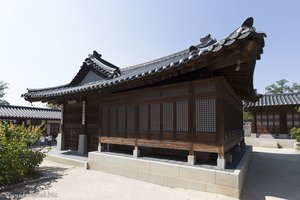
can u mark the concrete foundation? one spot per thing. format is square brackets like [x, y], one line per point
[82, 145]
[221, 163]
[269, 142]
[191, 160]
[60, 141]
[67, 161]
[100, 147]
[136, 152]
[225, 182]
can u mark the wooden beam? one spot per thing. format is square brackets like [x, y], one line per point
[160, 144]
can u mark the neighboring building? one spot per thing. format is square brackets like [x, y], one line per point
[189, 101]
[275, 113]
[32, 116]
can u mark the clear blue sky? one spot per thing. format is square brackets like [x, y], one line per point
[43, 43]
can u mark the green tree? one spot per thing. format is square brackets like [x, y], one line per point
[17, 160]
[247, 116]
[282, 86]
[3, 86]
[296, 87]
[52, 106]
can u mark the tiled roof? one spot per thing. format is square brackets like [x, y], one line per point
[14, 112]
[115, 76]
[289, 99]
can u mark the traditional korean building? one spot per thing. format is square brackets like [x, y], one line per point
[32, 116]
[189, 101]
[275, 113]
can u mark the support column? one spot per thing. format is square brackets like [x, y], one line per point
[136, 152]
[82, 147]
[48, 129]
[82, 142]
[191, 159]
[100, 147]
[60, 136]
[221, 163]
[60, 142]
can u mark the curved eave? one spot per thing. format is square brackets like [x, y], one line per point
[241, 48]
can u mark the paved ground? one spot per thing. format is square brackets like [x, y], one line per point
[273, 174]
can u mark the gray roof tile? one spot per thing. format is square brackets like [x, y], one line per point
[275, 100]
[112, 75]
[7, 111]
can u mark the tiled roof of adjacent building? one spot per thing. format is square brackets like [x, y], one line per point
[288, 99]
[110, 75]
[17, 112]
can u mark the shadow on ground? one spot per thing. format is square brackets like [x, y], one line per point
[35, 189]
[272, 175]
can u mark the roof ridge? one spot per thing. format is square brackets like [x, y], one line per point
[203, 44]
[47, 88]
[29, 107]
[290, 93]
[155, 61]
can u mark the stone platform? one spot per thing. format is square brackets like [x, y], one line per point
[172, 173]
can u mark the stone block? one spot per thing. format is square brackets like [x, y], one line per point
[95, 161]
[184, 183]
[152, 178]
[221, 163]
[137, 164]
[197, 174]
[67, 161]
[227, 179]
[191, 160]
[60, 142]
[232, 192]
[165, 169]
[122, 171]
[82, 144]
[136, 152]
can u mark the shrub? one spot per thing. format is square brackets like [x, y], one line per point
[295, 133]
[17, 159]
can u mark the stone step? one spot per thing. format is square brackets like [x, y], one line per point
[67, 161]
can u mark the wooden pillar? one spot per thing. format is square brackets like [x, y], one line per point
[253, 124]
[83, 118]
[161, 117]
[283, 122]
[191, 120]
[136, 123]
[220, 119]
[174, 121]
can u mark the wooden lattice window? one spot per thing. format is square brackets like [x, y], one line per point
[264, 120]
[155, 117]
[175, 92]
[277, 122]
[105, 118]
[292, 119]
[258, 120]
[113, 119]
[182, 116]
[121, 119]
[130, 118]
[168, 116]
[296, 119]
[144, 117]
[206, 115]
[204, 89]
[271, 122]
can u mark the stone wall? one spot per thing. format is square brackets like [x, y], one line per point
[173, 175]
